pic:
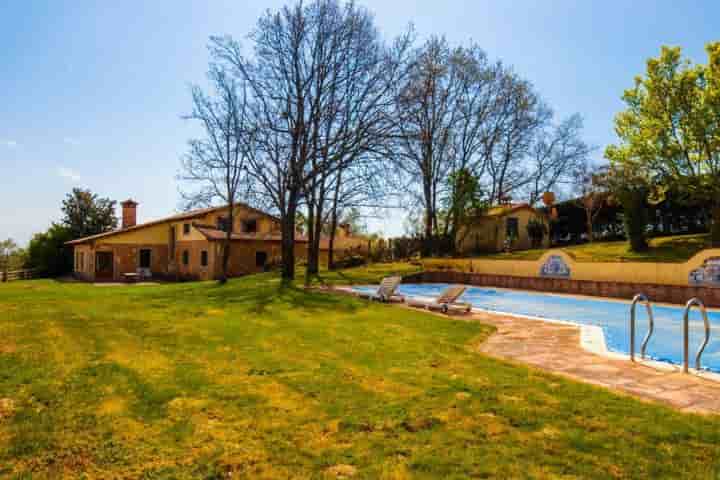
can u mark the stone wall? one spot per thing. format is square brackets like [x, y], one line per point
[625, 290]
[194, 269]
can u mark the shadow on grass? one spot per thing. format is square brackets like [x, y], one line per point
[149, 400]
[260, 296]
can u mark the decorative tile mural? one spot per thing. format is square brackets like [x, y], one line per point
[555, 266]
[706, 275]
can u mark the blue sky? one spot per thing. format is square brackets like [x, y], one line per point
[92, 93]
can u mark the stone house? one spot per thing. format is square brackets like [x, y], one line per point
[501, 224]
[188, 246]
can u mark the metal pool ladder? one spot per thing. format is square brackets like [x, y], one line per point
[691, 303]
[651, 325]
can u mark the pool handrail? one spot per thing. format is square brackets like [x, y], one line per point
[694, 302]
[640, 297]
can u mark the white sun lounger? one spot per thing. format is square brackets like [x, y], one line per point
[445, 302]
[386, 291]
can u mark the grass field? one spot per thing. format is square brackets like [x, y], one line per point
[259, 380]
[675, 249]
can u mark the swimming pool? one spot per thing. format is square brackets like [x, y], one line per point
[610, 315]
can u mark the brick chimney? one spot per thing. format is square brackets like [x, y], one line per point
[129, 213]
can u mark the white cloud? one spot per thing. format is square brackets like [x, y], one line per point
[9, 143]
[68, 174]
[71, 141]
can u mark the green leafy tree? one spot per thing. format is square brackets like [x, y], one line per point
[631, 188]
[537, 230]
[84, 213]
[463, 203]
[48, 253]
[670, 128]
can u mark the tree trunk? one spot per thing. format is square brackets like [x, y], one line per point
[333, 224]
[428, 234]
[715, 227]
[428, 241]
[454, 232]
[589, 224]
[331, 255]
[288, 239]
[225, 260]
[310, 260]
[636, 219]
[331, 241]
[226, 247]
[314, 267]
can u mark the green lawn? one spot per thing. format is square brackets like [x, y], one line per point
[675, 249]
[258, 380]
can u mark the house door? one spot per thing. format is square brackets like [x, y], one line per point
[104, 265]
[260, 259]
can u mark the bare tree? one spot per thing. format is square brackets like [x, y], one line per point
[216, 163]
[462, 116]
[591, 188]
[475, 132]
[427, 111]
[321, 80]
[355, 120]
[363, 186]
[555, 158]
[520, 114]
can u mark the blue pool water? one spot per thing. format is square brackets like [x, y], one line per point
[611, 315]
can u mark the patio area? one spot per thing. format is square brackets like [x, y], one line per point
[557, 348]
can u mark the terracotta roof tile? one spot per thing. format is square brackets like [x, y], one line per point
[172, 218]
[500, 210]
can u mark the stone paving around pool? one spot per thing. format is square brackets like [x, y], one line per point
[556, 348]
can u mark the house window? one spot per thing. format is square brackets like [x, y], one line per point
[145, 256]
[204, 258]
[511, 227]
[223, 223]
[260, 259]
[186, 229]
[186, 257]
[250, 226]
[82, 261]
[77, 261]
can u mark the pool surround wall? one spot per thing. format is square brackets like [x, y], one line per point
[651, 273]
[676, 294]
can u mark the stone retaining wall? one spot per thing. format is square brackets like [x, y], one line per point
[657, 293]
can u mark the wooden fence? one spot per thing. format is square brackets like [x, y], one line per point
[10, 275]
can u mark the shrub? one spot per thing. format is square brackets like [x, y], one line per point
[537, 230]
[351, 261]
[635, 218]
[47, 251]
